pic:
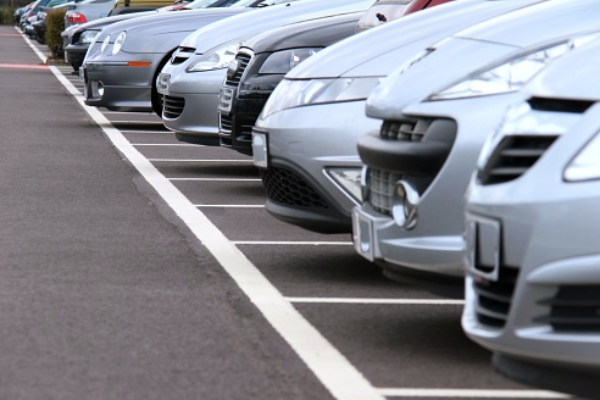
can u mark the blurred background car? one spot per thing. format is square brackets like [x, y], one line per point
[533, 287]
[417, 167]
[308, 129]
[120, 68]
[260, 64]
[78, 38]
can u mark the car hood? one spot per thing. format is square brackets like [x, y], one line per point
[559, 81]
[317, 33]
[479, 48]
[370, 53]
[246, 25]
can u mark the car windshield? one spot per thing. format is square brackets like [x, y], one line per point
[207, 3]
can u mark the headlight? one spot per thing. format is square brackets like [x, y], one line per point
[282, 62]
[586, 164]
[349, 179]
[105, 43]
[88, 37]
[297, 93]
[119, 43]
[525, 120]
[216, 58]
[512, 75]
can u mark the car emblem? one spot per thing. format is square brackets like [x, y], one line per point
[233, 67]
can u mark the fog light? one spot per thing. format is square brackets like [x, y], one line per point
[100, 89]
[349, 180]
[404, 205]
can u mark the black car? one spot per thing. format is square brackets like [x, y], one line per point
[260, 65]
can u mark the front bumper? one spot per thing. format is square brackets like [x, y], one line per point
[546, 331]
[75, 53]
[190, 103]
[126, 87]
[302, 143]
[432, 250]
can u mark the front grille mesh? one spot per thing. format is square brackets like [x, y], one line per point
[381, 190]
[243, 59]
[410, 130]
[574, 308]
[286, 187]
[513, 156]
[494, 297]
[173, 106]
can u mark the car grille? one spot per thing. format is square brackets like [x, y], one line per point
[182, 54]
[243, 59]
[410, 130]
[513, 156]
[494, 297]
[382, 183]
[286, 187]
[225, 128]
[381, 190]
[173, 106]
[574, 308]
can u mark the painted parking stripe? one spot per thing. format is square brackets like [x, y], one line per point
[23, 66]
[196, 160]
[473, 393]
[214, 179]
[290, 243]
[37, 52]
[335, 372]
[229, 205]
[419, 302]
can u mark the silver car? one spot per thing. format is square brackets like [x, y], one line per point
[121, 66]
[305, 140]
[438, 109]
[533, 286]
[192, 81]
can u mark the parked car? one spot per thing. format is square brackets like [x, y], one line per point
[120, 68]
[191, 82]
[38, 27]
[77, 39]
[418, 165]
[248, 86]
[532, 289]
[305, 139]
[20, 11]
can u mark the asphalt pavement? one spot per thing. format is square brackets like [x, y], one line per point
[107, 293]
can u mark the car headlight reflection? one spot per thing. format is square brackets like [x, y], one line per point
[281, 62]
[297, 93]
[216, 58]
[119, 41]
[511, 76]
[88, 37]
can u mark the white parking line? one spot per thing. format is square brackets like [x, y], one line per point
[229, 205]
[197, 160]
[149, 131]
[286, 243]
[166, 144]
[335, 372]
[214, 179]
[333, 300]
[473, 393]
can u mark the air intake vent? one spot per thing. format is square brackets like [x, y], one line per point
[286, 187]
[243, 60]
[574, 308]
[173, 106]
[495, 297]
[513, 157]
[410, 130]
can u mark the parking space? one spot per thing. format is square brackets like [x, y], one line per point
[406, 342]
